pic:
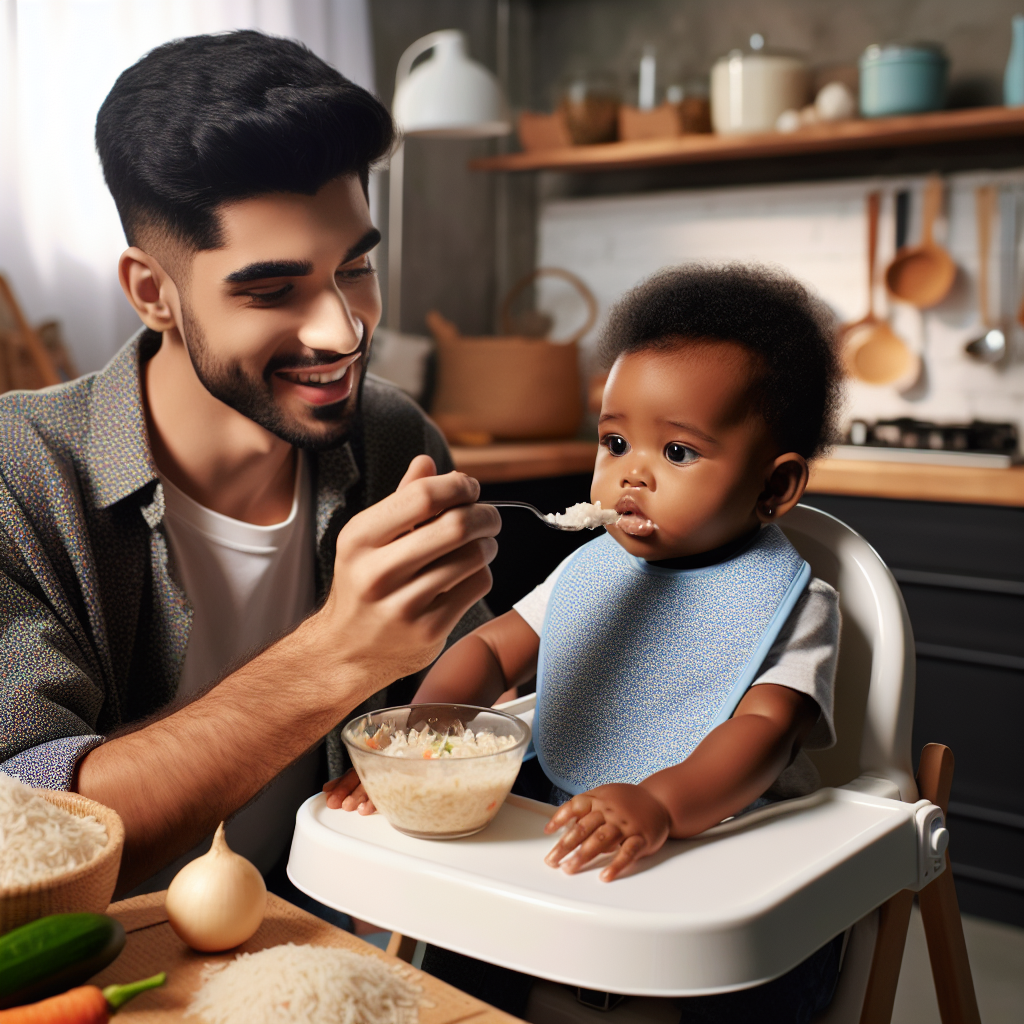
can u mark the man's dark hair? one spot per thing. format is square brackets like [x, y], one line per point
[206, 120]
[798, 384]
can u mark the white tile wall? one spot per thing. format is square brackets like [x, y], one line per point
[818, 233]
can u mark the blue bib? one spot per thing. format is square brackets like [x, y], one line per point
[639, 663]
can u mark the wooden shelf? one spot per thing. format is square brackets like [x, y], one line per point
[502, 463]
[879, 133]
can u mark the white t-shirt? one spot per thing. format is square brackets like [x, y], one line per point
[803, 658]
[247, 585]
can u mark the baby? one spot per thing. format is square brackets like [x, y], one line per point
[686, 656]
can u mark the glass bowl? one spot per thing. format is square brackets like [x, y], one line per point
[443, 783]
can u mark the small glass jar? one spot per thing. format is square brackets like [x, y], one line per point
[590, 105]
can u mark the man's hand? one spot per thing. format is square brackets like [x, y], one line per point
[614, 817]
[348, 793]
[406, 570]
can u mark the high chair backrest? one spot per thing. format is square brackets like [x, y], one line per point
[874, 704]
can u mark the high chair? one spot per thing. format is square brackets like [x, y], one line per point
[734, 907]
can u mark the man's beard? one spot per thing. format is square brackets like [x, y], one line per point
[253, 397]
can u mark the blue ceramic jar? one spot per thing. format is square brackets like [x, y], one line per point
[902, 79]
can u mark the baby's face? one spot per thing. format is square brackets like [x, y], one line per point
[682, 447]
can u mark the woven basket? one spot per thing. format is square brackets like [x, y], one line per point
[88, 887]
[509, 388]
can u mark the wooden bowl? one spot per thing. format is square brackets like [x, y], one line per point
[87, 888]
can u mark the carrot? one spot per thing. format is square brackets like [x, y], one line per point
[84, 1005]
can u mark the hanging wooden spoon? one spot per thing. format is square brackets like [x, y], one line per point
[923, 274]
[872, 351]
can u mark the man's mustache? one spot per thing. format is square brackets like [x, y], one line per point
[292, 364]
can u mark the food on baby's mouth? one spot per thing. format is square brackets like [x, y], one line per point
[636, 526]
[583, 516]
[436, 784]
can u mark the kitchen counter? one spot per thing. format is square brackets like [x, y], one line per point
[501, 463]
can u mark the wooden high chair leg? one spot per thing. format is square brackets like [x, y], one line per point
[940, 912]
[893, 922]
[402, 946]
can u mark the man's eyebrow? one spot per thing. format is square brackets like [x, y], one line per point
[270, 268]
[364, 245]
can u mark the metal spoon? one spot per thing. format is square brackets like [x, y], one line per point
[536, 511]
[990, 346]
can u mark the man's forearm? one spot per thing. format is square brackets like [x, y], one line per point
[174, 779]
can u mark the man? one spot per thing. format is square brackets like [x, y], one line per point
[230, 501]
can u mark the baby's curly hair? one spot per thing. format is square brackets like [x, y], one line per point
[799, 389]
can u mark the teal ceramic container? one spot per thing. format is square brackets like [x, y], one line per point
[902, 79]
[1013, 79]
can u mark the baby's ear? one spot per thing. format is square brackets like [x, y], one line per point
[784, 486]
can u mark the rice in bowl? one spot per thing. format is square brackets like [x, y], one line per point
[437, 771]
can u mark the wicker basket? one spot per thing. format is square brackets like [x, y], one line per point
[511, 387]
[88, 887]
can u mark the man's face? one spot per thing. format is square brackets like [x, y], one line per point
[681, 446]
[277, 321]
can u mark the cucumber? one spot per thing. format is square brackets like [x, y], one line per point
[55, 953]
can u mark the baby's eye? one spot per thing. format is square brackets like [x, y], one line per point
[616, 444]
[679, 454]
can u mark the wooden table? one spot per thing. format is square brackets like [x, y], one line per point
[153, 947]
[499, 463]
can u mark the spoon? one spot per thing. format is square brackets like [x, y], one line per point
[537, 512]
[923, 274]
[872, 351]
[990, 346]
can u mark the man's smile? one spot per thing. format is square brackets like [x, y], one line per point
[321, 385]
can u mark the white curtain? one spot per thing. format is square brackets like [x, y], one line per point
[60, 236]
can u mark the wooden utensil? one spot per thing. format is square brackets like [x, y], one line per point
[990, 345]
[872, 351]
[923, 274]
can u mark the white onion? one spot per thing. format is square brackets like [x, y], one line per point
[216, 901]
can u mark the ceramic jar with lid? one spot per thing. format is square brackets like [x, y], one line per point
[902, 79]
[749, 89]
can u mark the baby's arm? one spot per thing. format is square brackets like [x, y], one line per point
[476, 670]
[729, 769]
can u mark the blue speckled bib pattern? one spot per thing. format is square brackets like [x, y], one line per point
[639, 663]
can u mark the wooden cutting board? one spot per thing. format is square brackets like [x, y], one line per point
[152, 947]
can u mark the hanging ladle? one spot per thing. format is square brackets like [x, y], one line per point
[990, 346]
[872, 350]
[923, 274]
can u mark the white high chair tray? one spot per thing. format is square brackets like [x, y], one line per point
[735, 907]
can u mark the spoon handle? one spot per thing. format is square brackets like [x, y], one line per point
[874, 205]
[984, 201]
[932, 206]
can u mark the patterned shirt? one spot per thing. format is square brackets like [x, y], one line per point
[93, 622]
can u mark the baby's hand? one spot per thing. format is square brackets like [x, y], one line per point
[617, 815]
[347, 792]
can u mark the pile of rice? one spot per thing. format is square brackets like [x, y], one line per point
[583, 516]
[39, 840]
[306, 983]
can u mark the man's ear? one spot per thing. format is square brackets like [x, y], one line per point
[148, 288]
[786, 483]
